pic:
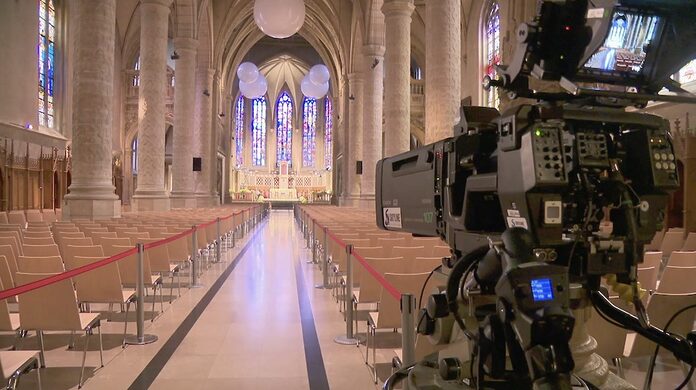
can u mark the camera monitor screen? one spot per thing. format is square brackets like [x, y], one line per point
[542, 290]
[624, 48]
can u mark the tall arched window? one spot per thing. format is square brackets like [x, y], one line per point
[134, 155]
[328, 129]
[47, 57]
[309, 131]
[136, 76]
[239, 131]
[258, 131]
[491, 50]
[284, 128]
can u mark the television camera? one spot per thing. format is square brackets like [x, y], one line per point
[541, 201]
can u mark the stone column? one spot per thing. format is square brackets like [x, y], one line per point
[92, 191]
[154, 26]
[355, 135]
[442, 68]
[183, 190]
[397, 75]
[204, 195]
[372, 120]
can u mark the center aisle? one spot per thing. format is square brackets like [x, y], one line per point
[252, 334]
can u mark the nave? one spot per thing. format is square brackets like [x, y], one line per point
[257, 322]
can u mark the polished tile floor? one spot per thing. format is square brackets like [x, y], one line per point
[263, 322]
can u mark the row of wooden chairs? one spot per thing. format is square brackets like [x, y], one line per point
[404, 261]
[65, 246]
[674, 239]
[23, 217]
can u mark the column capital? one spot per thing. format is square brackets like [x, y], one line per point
[164, 3]
[373, 50]
[184, 43]
[356, 77]
[393, 8]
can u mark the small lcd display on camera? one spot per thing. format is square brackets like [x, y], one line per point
[542, 290]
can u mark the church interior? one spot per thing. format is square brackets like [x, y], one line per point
[214, 194]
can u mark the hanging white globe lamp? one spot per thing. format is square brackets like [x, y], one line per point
[279, 18]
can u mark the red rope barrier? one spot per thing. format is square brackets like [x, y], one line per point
[167, 240]
[378, 277]
[4, 294]
[65, 275]
[375, 274]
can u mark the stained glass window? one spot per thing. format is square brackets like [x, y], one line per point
[328, 129]
[239, 131]
[284, 129]
[492, 51]
[688, 73]
[309, 131]
[258, 131]
[47, 56]
[134, 156]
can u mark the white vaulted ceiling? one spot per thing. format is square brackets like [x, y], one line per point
[281, 71]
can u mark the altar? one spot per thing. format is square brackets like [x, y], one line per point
[283, 194]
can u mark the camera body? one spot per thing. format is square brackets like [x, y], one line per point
[548, 194]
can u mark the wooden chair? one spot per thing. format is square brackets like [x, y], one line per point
[98, 236]
[128, 269]
[101, 285]
[423, 264]
[610, 339]
[6, 276]
[3, 218]
[76, 241]
[38, 241]
[40, 265]
[690, 242]
[13, 242]
[134, 236]
[682, 259]
[677, 280]
[159, 263]
[33, 216]
[647, 276]
[13, 364]
[368, 292]
[409, 252]
[41, 250]
[54, 308]
[49, 216]
[12, 230]
[73, 251]
[652, 259]
[388, 315]
[441, 251]
[10, 255]
[661, 307]
[17, 218]
[38, 234]
[673, 241]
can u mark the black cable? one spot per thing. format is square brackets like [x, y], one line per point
[609, 320]
[420, 299]
[657, 349]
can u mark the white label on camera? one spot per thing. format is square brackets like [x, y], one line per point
[513, 213]
[392, 217]
[517, 222]
[595, 13]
